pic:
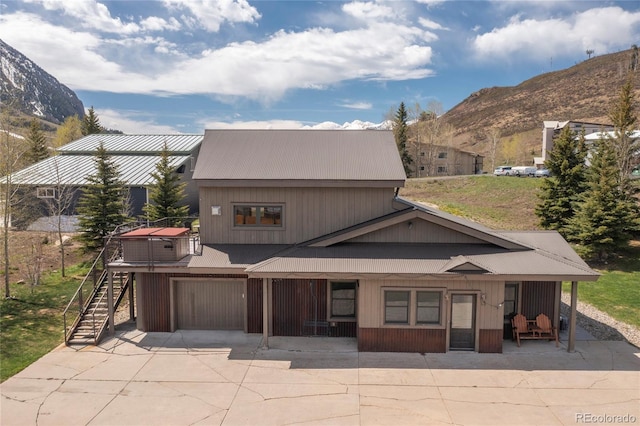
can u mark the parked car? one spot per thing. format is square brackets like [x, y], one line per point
[543, 173]
[523, 171]
[503, 171]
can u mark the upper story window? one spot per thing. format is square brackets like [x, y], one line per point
[442, 155]
[249, 215]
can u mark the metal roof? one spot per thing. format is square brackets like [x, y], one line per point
[283, 156]
[74, 169]
[132, 144]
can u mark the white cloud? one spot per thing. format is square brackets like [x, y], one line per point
[429, 24]
[357, 105]
[126, 122]
[210, 14]
[154, 23]
[264, 125]
[90, 14]
[315, 58]
[368, 11]
[602, 29]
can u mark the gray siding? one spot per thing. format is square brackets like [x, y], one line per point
[308, 212]
[420, 231]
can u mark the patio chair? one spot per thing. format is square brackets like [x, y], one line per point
[520, 327]
[544, 329]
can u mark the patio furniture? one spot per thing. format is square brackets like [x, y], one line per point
[544, 329]
[521, 328]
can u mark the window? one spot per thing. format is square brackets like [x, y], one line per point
[258, 216]
[442, 169]
[46, 193]
[412, 307]
[428, 307]
[442, 155]
[510, 299]
[343, 299]
[396, 307]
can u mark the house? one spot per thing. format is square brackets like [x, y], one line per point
[303, 233]
[135, 155]
[551, 129]
[441, 160]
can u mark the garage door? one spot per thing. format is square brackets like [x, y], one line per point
[210, 305]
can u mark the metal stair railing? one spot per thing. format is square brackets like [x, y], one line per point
[83, 296]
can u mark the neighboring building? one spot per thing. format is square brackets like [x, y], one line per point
[135, 155]
[440, 160]
[551, 129]
[303, 233]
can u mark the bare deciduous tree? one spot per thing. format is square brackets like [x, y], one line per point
[493, 134]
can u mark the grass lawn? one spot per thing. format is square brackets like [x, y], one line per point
[31, 321]
[617, 292]
[500, 202]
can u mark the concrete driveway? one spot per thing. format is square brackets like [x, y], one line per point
[225, 378]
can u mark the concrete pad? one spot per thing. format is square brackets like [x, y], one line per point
[402, 405]
[227, 378]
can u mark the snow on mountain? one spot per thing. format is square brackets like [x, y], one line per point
[30, 89]
[353, 125]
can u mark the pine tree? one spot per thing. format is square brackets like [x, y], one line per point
[102, 205]
[400, 131]
[560, 194]
[166, 193]
[91, 123]
[606, 218]
[37, 143]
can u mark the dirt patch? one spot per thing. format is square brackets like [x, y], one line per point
[28, 247]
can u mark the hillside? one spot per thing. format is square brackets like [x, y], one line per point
[27, 88]
[583, 92]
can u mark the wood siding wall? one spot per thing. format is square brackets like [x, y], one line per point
[254, 305]
[420, 232]
[308, 212]
[155, 304]
[490, 341]
[297, 301]
[402, 340]
[538, 297]
[489, 315]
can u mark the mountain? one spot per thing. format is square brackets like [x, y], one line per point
[583, 92]
[31, 90]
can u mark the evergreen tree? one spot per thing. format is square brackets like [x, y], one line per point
[623, 117]
[37, 143]
[606, 219]
[560, 194]
[102, 205]
[91, 123]
[400, 131]
[166, 193]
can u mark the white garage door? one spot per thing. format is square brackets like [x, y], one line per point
[210, 305]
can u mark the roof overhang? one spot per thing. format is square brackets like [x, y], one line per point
[299, 183]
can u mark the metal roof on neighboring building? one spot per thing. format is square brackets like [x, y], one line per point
[132, 144]
[73, 169]
[280, 156]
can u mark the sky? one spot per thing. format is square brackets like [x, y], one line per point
[182, 66]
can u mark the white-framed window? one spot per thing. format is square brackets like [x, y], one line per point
[413, 307]
[46, 192]
[343, 299]
[247, 215]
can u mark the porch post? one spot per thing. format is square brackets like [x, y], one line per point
[572, 317]
[265, 313]
[132, 311]
[110, 309]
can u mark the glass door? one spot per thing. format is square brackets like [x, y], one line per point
[462, 331]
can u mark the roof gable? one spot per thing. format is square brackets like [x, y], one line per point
[299, 158]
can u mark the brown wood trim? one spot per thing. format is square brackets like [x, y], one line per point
[422, 340]
[490, 341]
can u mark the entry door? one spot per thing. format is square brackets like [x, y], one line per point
[462, 333]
